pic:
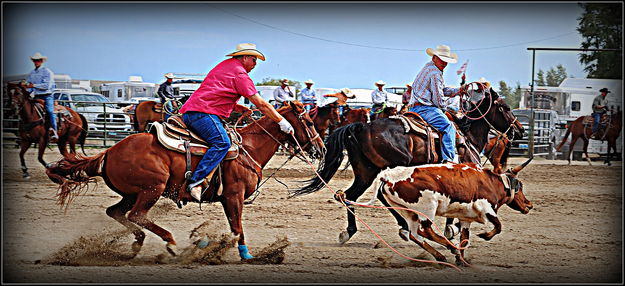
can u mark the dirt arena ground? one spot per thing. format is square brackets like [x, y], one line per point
[573, 235]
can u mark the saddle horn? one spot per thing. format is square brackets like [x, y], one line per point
[518, 169]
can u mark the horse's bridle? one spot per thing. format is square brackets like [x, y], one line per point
[483, 114]
[19, 107]
[300, 117]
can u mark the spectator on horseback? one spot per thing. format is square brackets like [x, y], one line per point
[166, 93]
[165, 90]
[283, 94]
[40, 83]
[379, 97]
[341, 97]
[428, 90]
[307, 95]
[213, 102]
[599, 107]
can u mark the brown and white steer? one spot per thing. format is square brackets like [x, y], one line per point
[464, 191]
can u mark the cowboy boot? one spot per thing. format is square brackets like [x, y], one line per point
[54, 137]
[196, 191]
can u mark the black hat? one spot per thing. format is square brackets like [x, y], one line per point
[604, 90]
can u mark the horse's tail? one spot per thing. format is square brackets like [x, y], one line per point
[566, 135]
[73, 174]
[335, 144]
[83, 133]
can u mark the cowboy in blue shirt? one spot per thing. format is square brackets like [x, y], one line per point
[40, 83]
[307, 95]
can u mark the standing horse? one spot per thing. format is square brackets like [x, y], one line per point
[33, 125]
[579, 130]
[141, 170]
[386, 112]
[325, 117]
[350, 115]
[383, 144]
[146, 112]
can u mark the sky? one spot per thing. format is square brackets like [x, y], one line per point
[348, 44]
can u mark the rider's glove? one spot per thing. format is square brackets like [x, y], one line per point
[285, 126]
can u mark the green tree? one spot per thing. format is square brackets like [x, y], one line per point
[511, 97]
[540, 78]
[601, 26]
[556, 76]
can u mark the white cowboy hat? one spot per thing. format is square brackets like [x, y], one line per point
[444, 53]
[346, 91]
[310, 81]
[38, 56]
[247, 49]
[484, 81]
[380, 82]
[169, 75]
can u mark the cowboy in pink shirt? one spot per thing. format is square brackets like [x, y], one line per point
[214, 100]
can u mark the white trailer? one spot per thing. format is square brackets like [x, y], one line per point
[572, 99]
[124, 91]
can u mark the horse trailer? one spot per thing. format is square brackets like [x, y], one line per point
[572, 99]
[124, 91]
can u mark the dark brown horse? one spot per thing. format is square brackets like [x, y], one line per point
[325, 117]
[33, 125]
[383, 143]
[610, 133]
[141, 170]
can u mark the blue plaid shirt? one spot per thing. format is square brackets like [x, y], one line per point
[42, 79]
[429, 88]
[308, 95]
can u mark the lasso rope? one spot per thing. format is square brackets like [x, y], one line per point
[346, 202]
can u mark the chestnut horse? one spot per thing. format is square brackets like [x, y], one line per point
[325, 117]
[385, 113]
[144, 113]
[379, 144]
[497, 151]
[350, 115]
[33, 125]
[579, 130]
[141, 170]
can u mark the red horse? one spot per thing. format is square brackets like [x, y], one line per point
[33, 125]
[325, 117]
[141, 170]
[579, 130]
[354, 115]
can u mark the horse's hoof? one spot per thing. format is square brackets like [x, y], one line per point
[451, 231]
[404, 234]
[344, 237]
[26, 177]
[172, 249]
[136, 246]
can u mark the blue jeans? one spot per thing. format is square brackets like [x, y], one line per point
[308, 105]
[210, 128]
[595, 125]
[435, 117]
[49, 106]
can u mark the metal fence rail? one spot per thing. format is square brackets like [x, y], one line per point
[106, 127]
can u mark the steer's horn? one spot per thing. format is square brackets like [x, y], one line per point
[518, 169]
